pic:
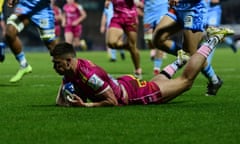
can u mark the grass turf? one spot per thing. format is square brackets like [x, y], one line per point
[28, 113]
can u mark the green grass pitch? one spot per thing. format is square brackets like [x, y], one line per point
[28, 113]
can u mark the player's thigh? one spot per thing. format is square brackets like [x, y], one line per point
[171, 87]
[166, 27]
[159, 53]
[191, 41]
[114, 35]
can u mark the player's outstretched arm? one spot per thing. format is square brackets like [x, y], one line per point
[108, 99]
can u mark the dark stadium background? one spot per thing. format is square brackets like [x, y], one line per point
[95, 40]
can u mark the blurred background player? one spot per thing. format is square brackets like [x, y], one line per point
[125, 22]
[40, 13]
[190, 16]
[105, 21]
[58, 20]
[2, 32]
[73, 16]
[214, 19]
[154, 10]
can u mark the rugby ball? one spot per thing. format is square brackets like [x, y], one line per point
[68, 90]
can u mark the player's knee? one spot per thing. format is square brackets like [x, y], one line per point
[158, 39]
[187, 83]
[48, 37]
[111, 44]
[14, 24]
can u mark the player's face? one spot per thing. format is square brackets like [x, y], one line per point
[60, 65]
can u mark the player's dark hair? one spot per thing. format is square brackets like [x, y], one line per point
[62, 49]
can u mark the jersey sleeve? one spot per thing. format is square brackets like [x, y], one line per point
[97, 84]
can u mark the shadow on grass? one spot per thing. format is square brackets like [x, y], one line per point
[138, 105]
[44, 106]
[9, 85]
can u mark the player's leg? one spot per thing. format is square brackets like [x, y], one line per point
[76, 42]
[172, 88]
[215, 82]
[76, 31]
[122, 54]
[113, 51]
[166, 27]
[114, 38]
[230, 42]
[113, 55]
[148, 38]
[157, 62]
[109, 50]
[14, 42]
[193, 38]
[134, 52]
[77, 34]
[68, 36]
[191, 43]
[148, 41]
[155, 55]
[152, 54]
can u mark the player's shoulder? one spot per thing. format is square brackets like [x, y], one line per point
[79, 6]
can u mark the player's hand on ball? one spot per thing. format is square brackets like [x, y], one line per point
[75, 100]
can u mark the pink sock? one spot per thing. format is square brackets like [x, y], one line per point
[170, 69]
[204, 50]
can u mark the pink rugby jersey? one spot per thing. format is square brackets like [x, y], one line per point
[93, 80]
[72, 12]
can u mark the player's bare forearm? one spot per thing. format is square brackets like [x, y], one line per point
[77, 101]
[108, 99]
[100, 104]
